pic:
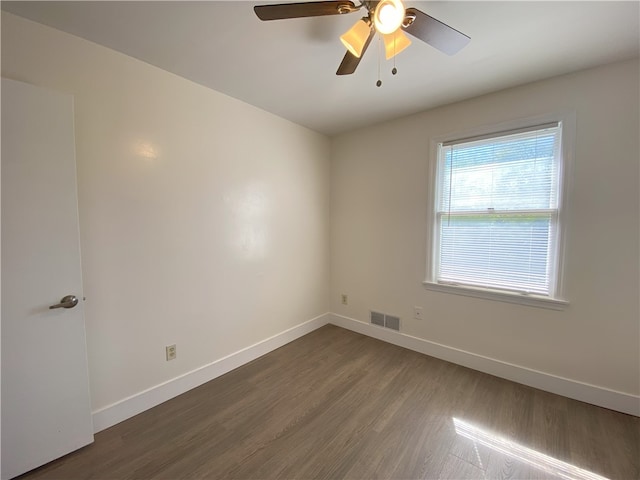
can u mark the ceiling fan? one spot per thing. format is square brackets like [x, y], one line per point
[387, 17]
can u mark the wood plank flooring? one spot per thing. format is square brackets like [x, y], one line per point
[335, 404]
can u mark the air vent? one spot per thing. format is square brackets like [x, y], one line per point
[392, 322]
[377, 319]
[384, 320]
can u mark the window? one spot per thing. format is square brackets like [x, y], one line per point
[496, 215]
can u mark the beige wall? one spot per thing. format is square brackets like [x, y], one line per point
[222, 239]
[379, 194]
[217, 242]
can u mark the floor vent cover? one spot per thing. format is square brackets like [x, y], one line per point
[392, 322]
[377, 319]
[384, 320]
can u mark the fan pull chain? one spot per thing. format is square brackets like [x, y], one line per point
[379, 82]
[394, 70]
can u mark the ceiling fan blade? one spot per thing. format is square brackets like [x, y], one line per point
[306, 9]
[348, 65]
[437, 34]
[350, 61]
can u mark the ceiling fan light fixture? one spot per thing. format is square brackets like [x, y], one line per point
[394, 43]
[356, 37]
[388, 16]
[382, 16]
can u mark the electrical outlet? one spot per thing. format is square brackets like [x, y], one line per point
[171, 352]
[417, 313]
[345, 299]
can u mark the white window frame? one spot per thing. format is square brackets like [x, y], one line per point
[557, 300]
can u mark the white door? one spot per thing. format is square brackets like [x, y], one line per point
[46, 410]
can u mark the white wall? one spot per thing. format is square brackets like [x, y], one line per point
[379, 194]
[204, 220]
[222, 238]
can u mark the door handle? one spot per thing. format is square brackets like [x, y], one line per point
[69, 301]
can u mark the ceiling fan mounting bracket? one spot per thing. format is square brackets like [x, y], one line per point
[408, 20]
[348, 8]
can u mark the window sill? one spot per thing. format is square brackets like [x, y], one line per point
[518, 298]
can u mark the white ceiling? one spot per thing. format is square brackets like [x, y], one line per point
[287, 67]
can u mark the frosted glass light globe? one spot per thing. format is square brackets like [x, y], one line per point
[356, 38]
[388, 16]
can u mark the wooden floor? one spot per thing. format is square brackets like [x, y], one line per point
[335, 404]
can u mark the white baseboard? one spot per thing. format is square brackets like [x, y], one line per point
[138, 403]
[603, 397]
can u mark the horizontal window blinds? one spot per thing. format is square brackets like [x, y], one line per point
[497, 211]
